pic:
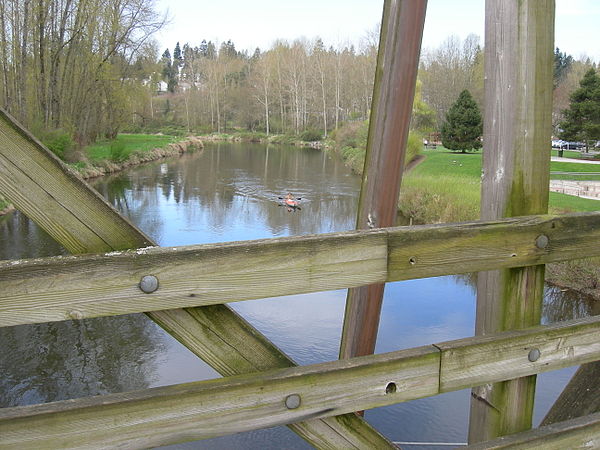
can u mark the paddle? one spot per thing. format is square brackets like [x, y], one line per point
[290, 207]
[282, 198]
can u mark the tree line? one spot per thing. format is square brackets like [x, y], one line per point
[91, 69]
[70, 64]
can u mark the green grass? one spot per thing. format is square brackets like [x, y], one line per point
[567, 154]
[446, 188]
[127, 144]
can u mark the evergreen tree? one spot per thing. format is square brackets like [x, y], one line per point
[464, 126]
[562, 65]
[177, 57]
[582, 119]
[169, 71]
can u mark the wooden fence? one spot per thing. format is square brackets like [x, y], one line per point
[116, 269]
[270, 392]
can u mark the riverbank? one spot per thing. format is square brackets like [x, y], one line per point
[100, 167]
[278, 139]
[106, 166]
[445, 187]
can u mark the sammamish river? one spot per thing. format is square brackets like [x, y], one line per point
[230, 192]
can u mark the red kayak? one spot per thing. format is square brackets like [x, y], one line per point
[291, 203]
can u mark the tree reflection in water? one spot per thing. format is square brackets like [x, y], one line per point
[56, 361]
[565, 304]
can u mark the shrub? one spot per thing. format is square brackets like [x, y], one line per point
[58, 142]
[311, 136]
[117, 151]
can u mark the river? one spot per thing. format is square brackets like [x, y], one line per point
[230, 192]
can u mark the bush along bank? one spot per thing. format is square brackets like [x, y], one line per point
[312, 139]
[108, 166]
[102, 167]
[350, 142]
[5, 207]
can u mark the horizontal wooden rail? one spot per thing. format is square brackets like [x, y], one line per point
[212, 408]
[42, 188]
[60, 288]
[583, 432]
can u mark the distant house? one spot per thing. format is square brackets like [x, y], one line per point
[161, 87]
[184, 86]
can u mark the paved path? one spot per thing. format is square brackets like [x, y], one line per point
[575, 160]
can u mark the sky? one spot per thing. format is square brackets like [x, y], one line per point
[257, 23]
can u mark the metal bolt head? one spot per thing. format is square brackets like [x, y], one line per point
[75, 314]
[292, 401]
[541, 241]
[534, 355]
[149, 284]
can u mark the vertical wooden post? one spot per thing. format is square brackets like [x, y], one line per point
[393, 94]
[519, 40]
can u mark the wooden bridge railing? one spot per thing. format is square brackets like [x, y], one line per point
[213, 408]
[310, 398]
[67, 287]
[183, 289]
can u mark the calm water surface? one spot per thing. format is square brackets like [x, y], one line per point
[230, 192]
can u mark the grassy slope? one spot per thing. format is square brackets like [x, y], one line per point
[129, 143]
[446, 188]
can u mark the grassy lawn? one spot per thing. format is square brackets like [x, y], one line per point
[446, 187]
[567, 153]
[125, 144]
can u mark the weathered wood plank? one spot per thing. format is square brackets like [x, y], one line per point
[207, 330]
[519, 45]
[94, 285]
[507, 355]
[393, 93]
[582, 433]
[212, 408]
[48, 208]
[579, 398]
[41, 186]
[434, 250]
[89, 286]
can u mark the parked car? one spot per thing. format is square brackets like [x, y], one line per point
[566, 145]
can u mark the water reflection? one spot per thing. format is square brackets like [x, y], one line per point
[230, 192]
[48, 362]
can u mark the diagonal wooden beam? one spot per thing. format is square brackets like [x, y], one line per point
[393, 95]
[44, 189]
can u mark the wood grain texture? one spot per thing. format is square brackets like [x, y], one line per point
[55, 205]
[434, 250]
[208, 334]
[487, 359]
[212, 408]
[100, 285]
[206, 409]
[60, 288]
[43, 188]
[519, 62]
[393, 93]
[580, 433]
[579, 398]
